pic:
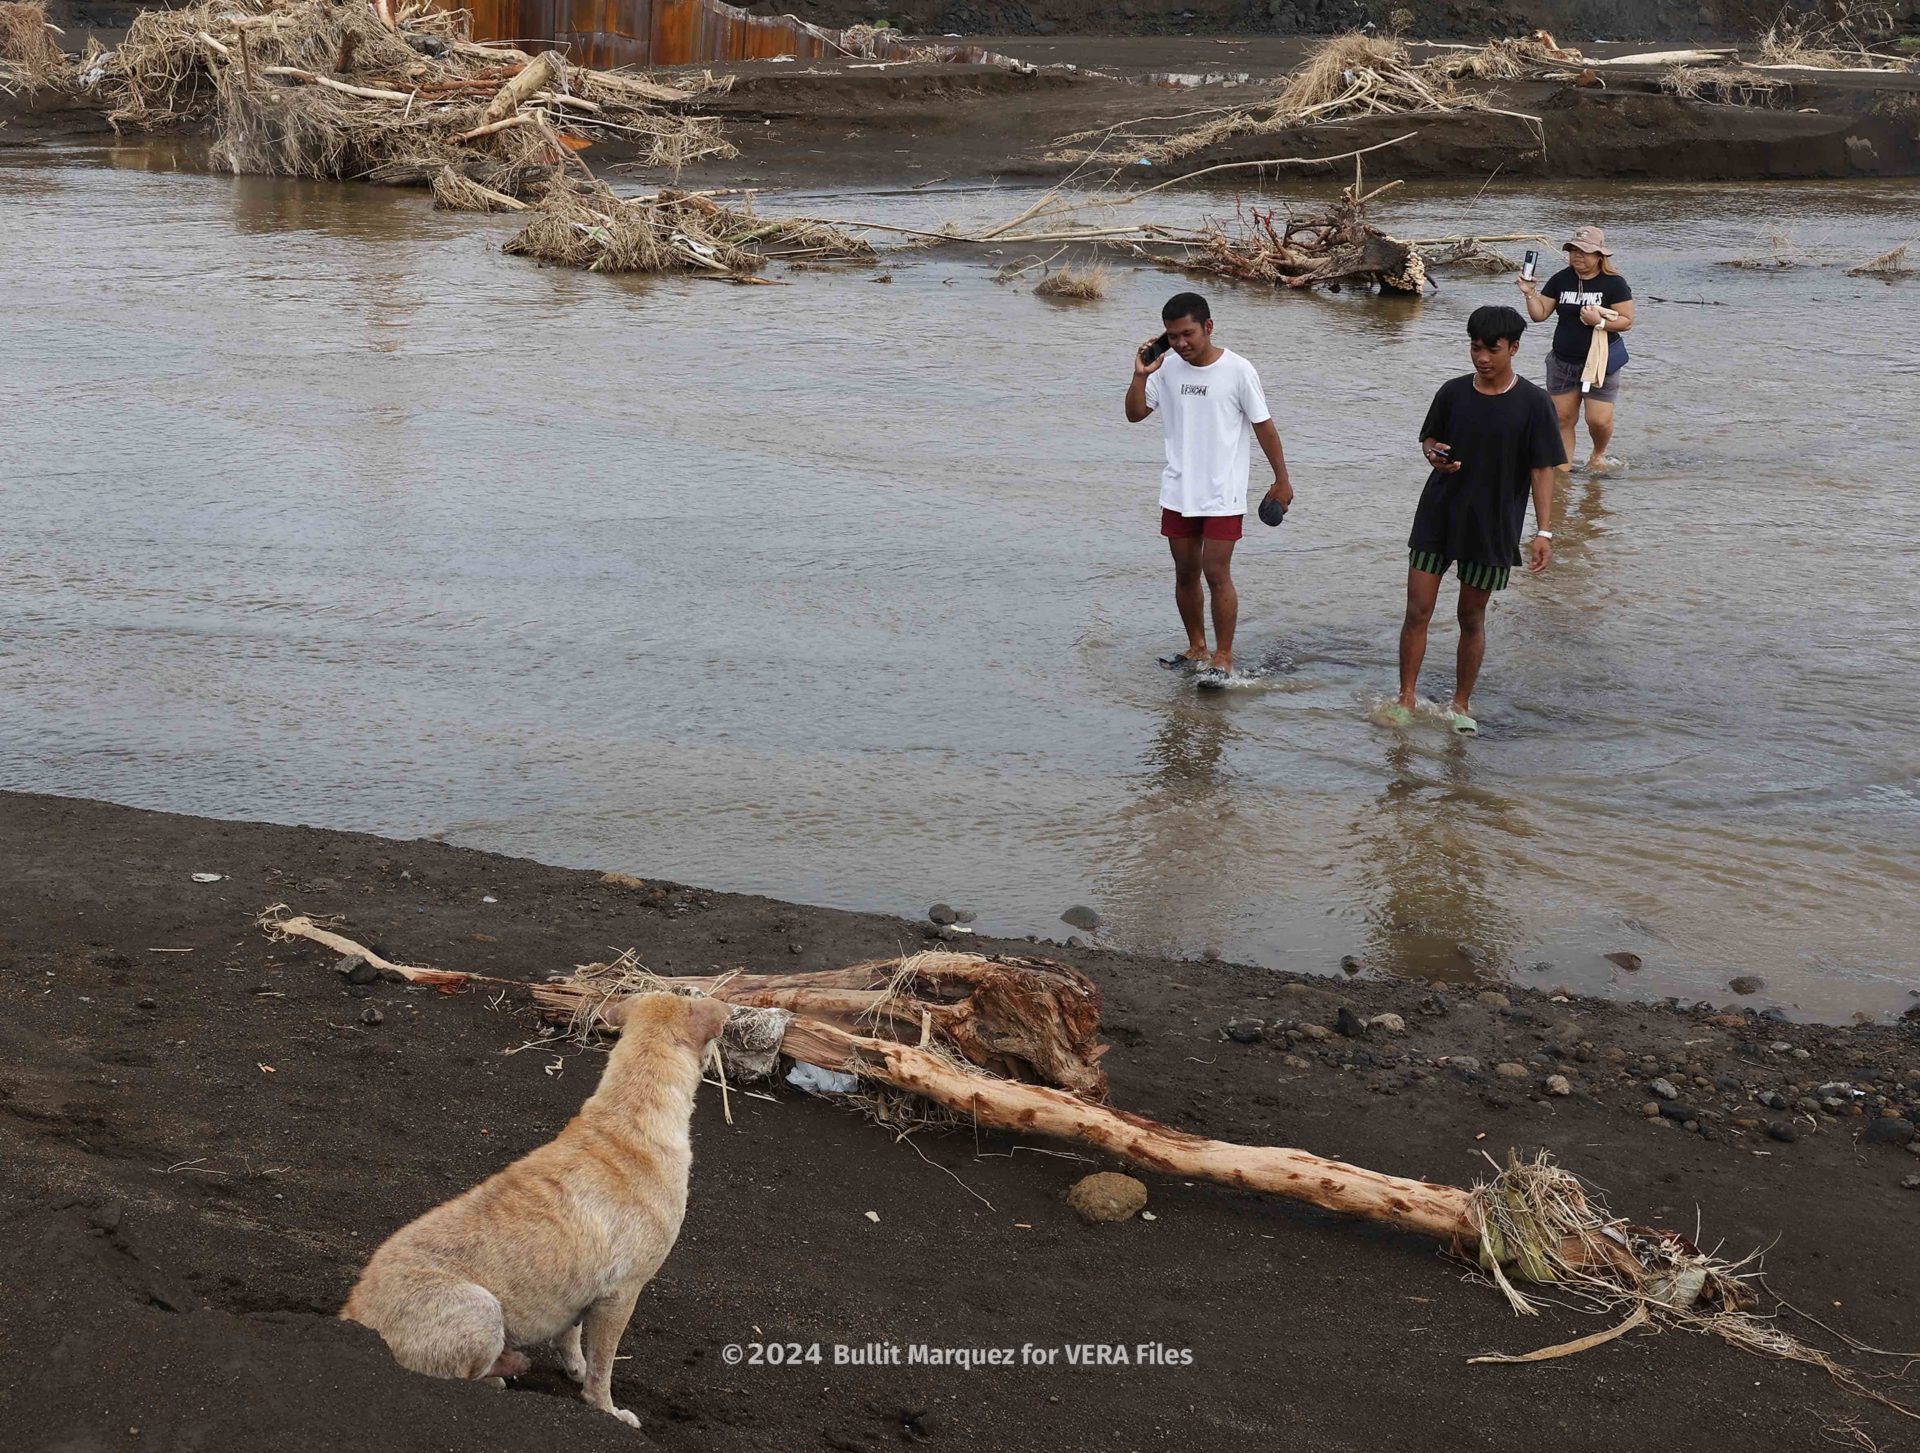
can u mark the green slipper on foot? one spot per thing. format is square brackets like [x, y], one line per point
[1393, 714]
[1463, 724]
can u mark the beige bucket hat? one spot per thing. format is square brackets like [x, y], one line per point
[1588, 239]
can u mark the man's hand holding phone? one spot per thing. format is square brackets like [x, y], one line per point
[1147, 360]
[1440, 456]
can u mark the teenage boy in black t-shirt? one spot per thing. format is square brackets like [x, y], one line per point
[1492, 438]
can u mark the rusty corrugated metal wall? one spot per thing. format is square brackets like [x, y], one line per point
[674, 33]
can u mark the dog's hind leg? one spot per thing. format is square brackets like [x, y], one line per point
[601, 1329]
[451, 1329]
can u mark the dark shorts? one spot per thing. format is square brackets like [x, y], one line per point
[1480, 577]
[1201, 527]
[1564, 378]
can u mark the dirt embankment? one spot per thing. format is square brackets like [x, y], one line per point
[204, 1135]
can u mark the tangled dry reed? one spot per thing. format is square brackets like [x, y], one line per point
[348, 90]
[30, 56]
[590, 227]
[1723, 85]
[1508, 60]
[1889, 266]
[1836, 36]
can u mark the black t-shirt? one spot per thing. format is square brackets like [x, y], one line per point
[1570, 293]
[1499, 440]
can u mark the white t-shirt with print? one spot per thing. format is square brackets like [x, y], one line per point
[1208, 416]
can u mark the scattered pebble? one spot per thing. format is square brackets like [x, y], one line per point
[1624, 959]
[1664, 1089]
[1746, 984]
[1316, 1031]
[1511, 1071]
[874, 1216]
[1392, 1023]
[1558, 1085]
[1245, 1031]
[1350, 963]
[1106, 1196]
[1294, 1062]
[1782, 1131]
[1081, 916]
[147, 1004]
[1651, 1109]
[1493, 999]
[1350, 1024]
[1465, 1062]
[371, 1015]
[1910, 1183]
[942, 913]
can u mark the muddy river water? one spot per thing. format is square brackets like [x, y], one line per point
[317, 508]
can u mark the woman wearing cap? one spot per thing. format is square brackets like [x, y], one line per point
[1588, 283]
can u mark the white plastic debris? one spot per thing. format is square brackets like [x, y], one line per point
[209, 877]
[874, 1216]
[818, 1081]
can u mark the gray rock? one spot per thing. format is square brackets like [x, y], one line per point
[1803, 1054]
[1807, 1105]
[1888, 1130]
[1294, 1062]
[147, 1004]
[1782, 1131]
[357, 970]
[1493, 999]
[1316, 1031]
[1350, 1024]
[1392, 1023]
[1651, 1109]
[1245, 1031]
[965, 915]
[1780, 1046]
[371, 1015]
[1674, 1110]
[1081, 916]
[1624, 959]
[1466, 1063]
[1910, 1183]
[1746, 984]
[1350, 963]
[1664, 1089]
[1772, 1099]
[1558, 1085]
[1511, 1071]
[942, 913]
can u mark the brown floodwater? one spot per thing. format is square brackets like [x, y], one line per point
[318, 508]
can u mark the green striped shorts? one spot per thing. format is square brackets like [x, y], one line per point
[1480, 577]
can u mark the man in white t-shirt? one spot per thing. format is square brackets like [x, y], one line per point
[1210, 402]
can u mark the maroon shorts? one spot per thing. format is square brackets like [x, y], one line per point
[1201, 527]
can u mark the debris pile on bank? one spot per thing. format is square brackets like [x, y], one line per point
[30, 56]
[357, 90]
[1334, 247]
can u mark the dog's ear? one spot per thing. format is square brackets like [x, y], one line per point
[706, 1019]
[615, 1012]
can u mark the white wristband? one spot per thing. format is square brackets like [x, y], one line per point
[1543, 534]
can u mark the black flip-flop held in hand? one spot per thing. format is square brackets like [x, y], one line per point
[1272, 512]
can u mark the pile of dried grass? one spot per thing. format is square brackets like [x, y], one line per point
[592, 228]
[1508, 60]
[30, 54]
[1725, 85]
[1347, 76]
[1077, 284]
[342, 90]
[1780, 255]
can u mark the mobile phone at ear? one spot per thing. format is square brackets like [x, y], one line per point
[1154, 349]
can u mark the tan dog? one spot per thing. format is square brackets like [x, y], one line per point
[560, 1242]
